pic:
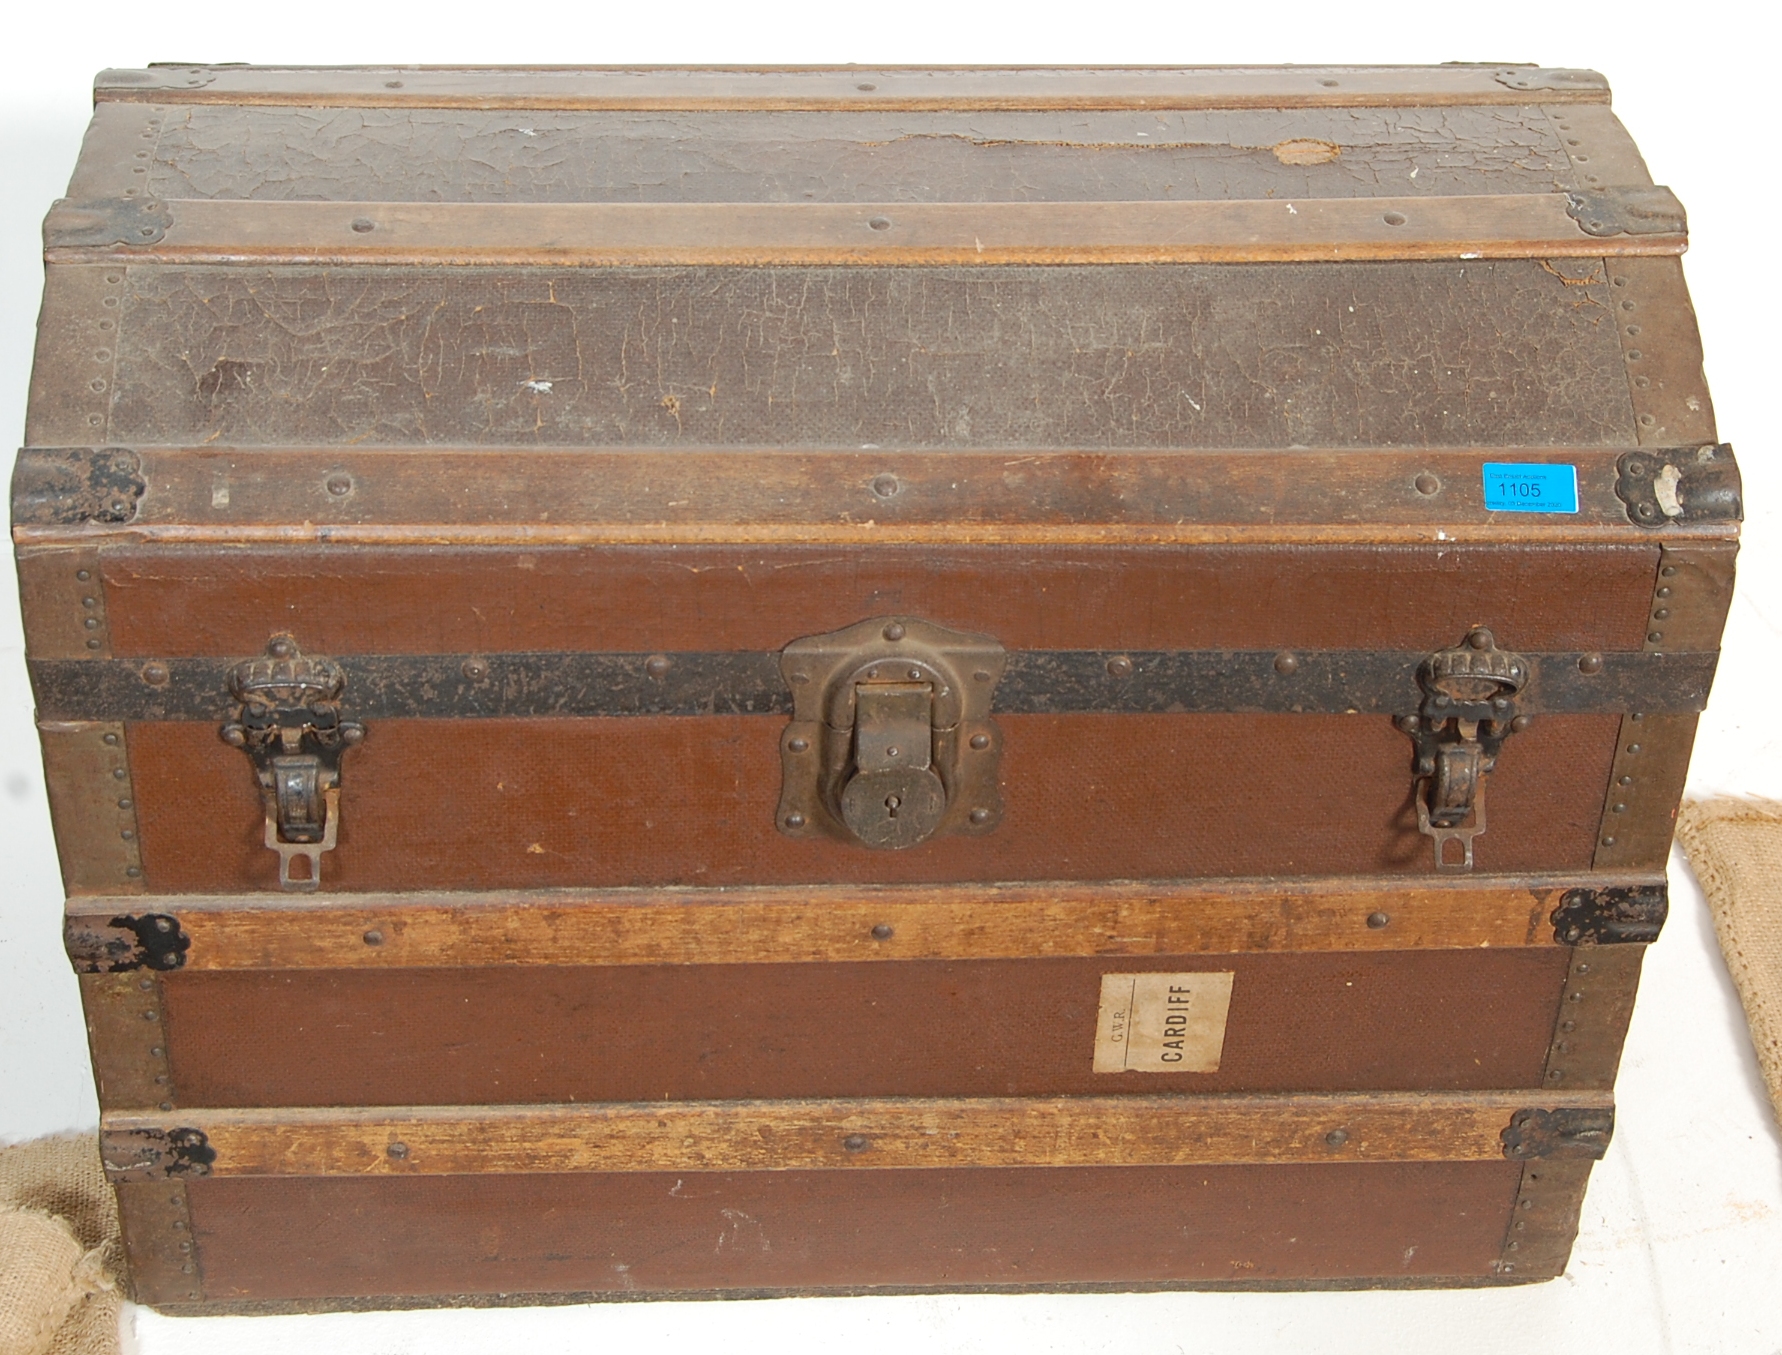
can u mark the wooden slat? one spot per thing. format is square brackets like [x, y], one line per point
[1476, 226]
[855, 87]
[777, 925]
[220, 489]
[793, 1135]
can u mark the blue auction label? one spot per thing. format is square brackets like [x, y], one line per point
[1524, 487]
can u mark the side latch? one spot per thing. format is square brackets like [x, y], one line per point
[891, 741]
[289, 723]
[1469, 709]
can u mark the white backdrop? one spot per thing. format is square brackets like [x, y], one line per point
[1682, 1242]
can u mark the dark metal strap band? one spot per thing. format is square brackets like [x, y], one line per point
[544, 685]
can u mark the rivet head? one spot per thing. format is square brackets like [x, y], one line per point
[798, 745]
[1667, 571]
[1480, 639]
[980, 676]
[882, 932]
[1625, 781]
[475, 670]
[145, 984]
[1664, 592]
[1286, 664]
[980, 816]
[980, 741]
[657, 665]
[363, 224]
[794, 820]
[1520, 723]
[151, 1015]
[397, 1150]
[885, 486]
[110, 739]
[1591, 663]
[1119, 666]
[894, 631]
[281, 647]
[1378, 920]
[1608, 842]
[856, 1143]
[1661, 614]
[879, 223]
[155, 674]
[339, 484]
[1633, 748]
[374, 937]
[1427, 483]
[1336, 1138]
[83, 574]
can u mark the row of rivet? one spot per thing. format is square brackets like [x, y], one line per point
[117, 770]
[163, 1251]
[102, 355]
[149, 1008]
[151, 133]
[1572, 142]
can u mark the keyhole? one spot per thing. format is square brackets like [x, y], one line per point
[891, 804]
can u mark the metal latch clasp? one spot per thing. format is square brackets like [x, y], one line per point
[1468, 710]
[891, 740]
[288, 721]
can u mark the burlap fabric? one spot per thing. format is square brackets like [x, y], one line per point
[60, 1253]
[1735, 848]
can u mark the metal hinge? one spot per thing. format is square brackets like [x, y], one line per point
[151, 941]
[891, 740]
[155, 1154]
[1611, 915]
[1644, 210]
[1682, 484]
[1469, 709]
[289, 723]
[1572, 1131]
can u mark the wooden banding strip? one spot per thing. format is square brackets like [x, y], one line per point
[775, 925]
[1480, 226]
[854, 87]
[225, 492]
[1135, 1130]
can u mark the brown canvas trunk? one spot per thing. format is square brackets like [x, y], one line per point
[902, 669]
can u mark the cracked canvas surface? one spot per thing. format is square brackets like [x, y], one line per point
[1404, 354]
